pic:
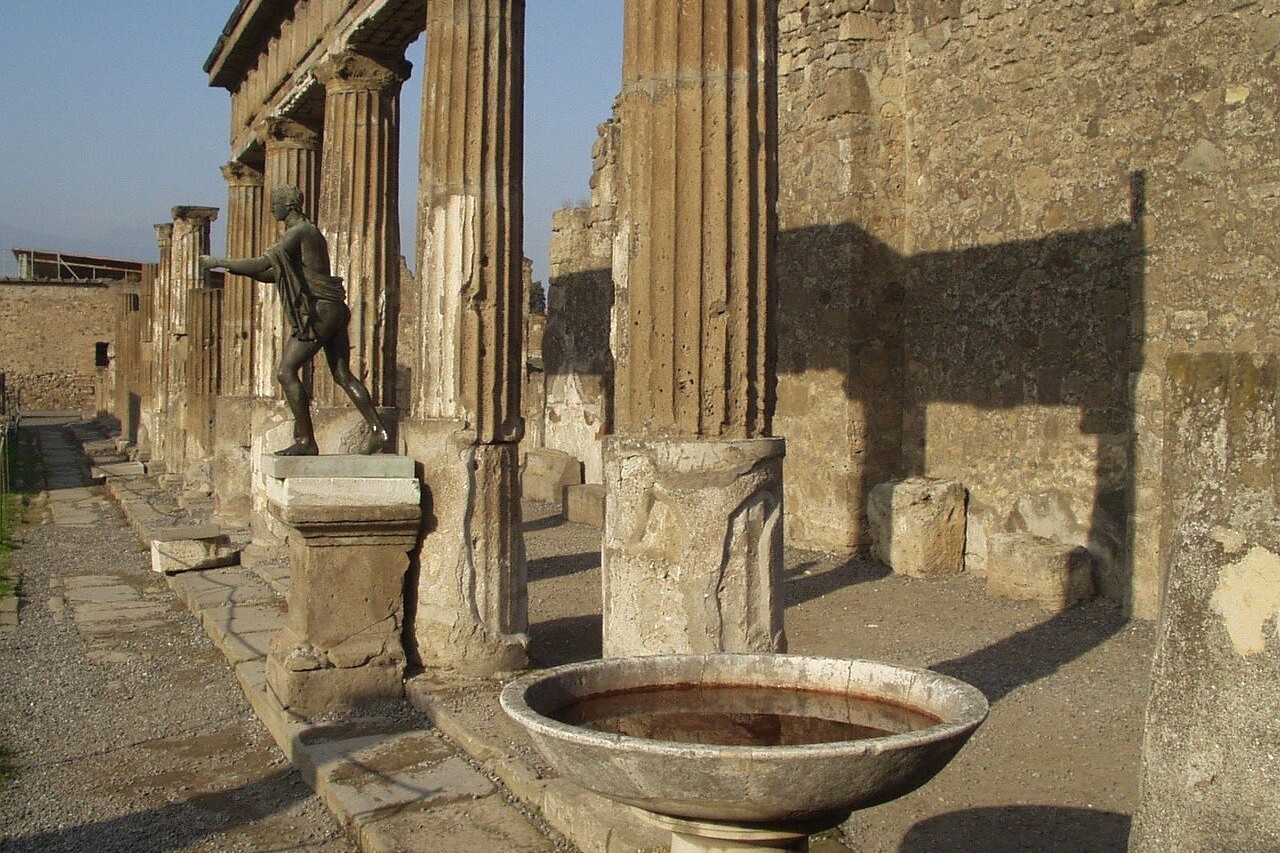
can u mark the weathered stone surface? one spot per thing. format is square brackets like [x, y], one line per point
[917, 526]
[341, 647]
[692, 546]
[547, 473]
[1209, 747]
[470, 611]
[1025, 567]
[584, 504]
[304, 493]
[184, 555]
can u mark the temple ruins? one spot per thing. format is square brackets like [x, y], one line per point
[971, 286]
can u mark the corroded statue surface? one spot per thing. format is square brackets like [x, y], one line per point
[314, 300]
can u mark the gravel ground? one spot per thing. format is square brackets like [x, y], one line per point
[131, 735]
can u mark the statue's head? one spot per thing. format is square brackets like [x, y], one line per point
[285, 199]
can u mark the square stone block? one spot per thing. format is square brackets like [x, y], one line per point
[1025, 567]
[547, 473]
[187, 549]
[584, 504]
[917, 526]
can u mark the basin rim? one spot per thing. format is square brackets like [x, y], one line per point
[971, 709]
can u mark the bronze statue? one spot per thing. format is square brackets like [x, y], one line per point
[315, 303]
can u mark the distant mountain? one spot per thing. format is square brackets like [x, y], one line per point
[123, 243]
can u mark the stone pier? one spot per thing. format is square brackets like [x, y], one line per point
[692, 541]
[471, 592]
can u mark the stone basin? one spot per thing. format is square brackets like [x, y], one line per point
[815, 784]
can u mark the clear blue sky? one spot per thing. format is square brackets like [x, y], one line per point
[109, 120]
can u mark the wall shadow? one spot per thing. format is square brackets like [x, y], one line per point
[1029, 346]
[562, 565]
[571, 639]
[802, 583]
[1016, 829]
[1038, 652]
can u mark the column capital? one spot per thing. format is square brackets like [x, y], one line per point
[164, 233]
[187, 211]
[239, 174]
[279, 131]
[351, 71]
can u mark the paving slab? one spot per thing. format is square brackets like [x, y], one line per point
[220, 587]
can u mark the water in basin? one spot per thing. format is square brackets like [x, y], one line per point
[728, 715]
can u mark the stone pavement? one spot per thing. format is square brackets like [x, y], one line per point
[1054, 768]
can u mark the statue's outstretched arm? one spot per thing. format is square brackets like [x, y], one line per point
[258, 268]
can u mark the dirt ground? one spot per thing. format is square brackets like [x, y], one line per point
[1054, 768]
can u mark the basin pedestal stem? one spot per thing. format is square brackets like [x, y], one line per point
[703, 836]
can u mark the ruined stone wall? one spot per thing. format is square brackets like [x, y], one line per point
[996, 221]
[1087, 190]
[577, 361]
[839, 279]
[48, 334]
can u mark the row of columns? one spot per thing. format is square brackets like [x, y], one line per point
[694, 481]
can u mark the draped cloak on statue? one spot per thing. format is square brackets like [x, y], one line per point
[301, 288]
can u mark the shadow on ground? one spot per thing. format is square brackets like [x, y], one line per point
[1006, 829]
[173, 826]
[1037, 652]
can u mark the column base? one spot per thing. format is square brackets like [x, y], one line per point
[692, 555]
[470, 609]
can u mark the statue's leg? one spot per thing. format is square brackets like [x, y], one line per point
[337, 352]
[296, 354]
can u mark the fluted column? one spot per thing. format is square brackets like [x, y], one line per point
[470, 220]
[467, 370]
[204, 333]
[292, 157]
[191, 227]
[162, 342]
[244, 227]
[693, 534]
[359, 211]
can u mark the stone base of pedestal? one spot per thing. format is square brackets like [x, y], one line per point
[692, 555]
[351, 522]
[470, 613]
[309, 682]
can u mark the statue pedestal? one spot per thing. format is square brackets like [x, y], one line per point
[350, 521]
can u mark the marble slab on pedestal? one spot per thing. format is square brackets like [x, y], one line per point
[380, 466]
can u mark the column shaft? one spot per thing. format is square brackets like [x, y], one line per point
[244, 226]
[697, 133]
[359, 211]
[292, 158]
[191, 226]
[471, 591]
[692, 551]
[470, 219]
[162, 341]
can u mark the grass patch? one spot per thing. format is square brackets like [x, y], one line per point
[21, 478]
